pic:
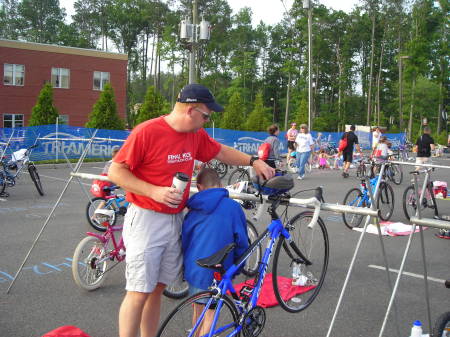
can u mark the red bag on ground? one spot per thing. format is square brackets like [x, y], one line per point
[264, 151]
[267, 295]
[66, 331]
[343, 143]
[97, 187]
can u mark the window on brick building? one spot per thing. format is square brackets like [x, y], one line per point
[100, 79]
[13, 74]
[60, 78]
[12, 120]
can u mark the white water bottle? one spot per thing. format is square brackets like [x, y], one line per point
[416, 330]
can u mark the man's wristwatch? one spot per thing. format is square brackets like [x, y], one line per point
[252, 160]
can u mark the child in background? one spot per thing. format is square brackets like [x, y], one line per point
[381, 151]
[323, 159]
[213, 221]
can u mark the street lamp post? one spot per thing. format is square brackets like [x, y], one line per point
[400, 89]
[273, 112]
[307, 5]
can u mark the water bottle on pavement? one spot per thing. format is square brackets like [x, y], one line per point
[416, 330]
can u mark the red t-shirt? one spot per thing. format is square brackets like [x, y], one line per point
[154, 152]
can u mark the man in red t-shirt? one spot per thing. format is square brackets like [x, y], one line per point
[153, 153]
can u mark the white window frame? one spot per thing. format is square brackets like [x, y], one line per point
[14, 120]
[14, 79]
[59, 78]
[102, 79]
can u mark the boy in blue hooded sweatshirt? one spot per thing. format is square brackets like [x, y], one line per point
[213, 221]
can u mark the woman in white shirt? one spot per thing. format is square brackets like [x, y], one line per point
[305, 144]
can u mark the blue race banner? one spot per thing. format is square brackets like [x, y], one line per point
[73, 140]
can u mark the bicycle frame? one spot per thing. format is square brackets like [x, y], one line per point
[274, 230]
[105, 238]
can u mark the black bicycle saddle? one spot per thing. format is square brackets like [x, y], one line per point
[278, 184]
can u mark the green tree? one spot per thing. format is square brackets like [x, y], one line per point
[44, 112]
[302, 112]
[233, 114]
[104, 113]
[152, 107]
[9, 19]
[258, 119]
[41, 20]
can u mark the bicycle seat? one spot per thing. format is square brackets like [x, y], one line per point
[278, 184]
[215, 261]
[102, 215]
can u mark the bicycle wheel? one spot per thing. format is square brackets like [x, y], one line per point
[35, 177]
[219, 167]
[181, 321]
[95, 204]
[3, 183]
[409, 202]
[385, 201]
[176, 290]
[396, 174]
[354, 197]
[238, 175]
[442, 325]
[251, 267]
[361, 171]
[313, 244]
[87, 273]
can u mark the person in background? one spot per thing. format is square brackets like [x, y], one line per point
[424, 146]
[304, 145]
[274, 142]
[154, 152]
[352, 141]
[213, 221]
[376, 135]
[382, 149]
[291, 134]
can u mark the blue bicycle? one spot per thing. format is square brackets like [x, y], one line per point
[359, 197]
[115, 202]
[298, 273]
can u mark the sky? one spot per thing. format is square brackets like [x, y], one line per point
[269, 11]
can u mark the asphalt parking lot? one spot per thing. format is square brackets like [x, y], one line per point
[45, 295]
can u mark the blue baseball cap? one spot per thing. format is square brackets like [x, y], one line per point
[197, 93]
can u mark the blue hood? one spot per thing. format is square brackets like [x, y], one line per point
[207, 201]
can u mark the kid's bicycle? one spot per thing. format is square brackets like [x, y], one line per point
[360, 197]
[114, 202]
[18, 161]
[299, 268]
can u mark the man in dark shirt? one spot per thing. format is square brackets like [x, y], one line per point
[352, 139]
[424, 146]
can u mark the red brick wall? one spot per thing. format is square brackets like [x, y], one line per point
[77, 101]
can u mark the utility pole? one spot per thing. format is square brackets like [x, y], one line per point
[307, 5]
[191, 35]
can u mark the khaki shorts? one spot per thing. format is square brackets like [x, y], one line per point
[153, 248]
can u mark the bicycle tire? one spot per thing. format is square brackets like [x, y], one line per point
[442, 325]
[251, 267]
[238, 175]
[92, 206]
[361, 171]
[219, 167]
[3, 183]
[397, 174]
[409, 202]
[177, 290]
[385, 201]
[85, 271]
[354, 197]
[179, 321]
[306, 239]
[35, 177]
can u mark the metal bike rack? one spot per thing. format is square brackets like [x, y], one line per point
[417, 220]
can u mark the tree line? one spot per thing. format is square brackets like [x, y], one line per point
[260, 73]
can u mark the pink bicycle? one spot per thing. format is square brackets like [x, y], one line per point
[95, 252]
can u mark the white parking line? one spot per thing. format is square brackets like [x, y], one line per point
[438, 280]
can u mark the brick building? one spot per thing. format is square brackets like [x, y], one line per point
[77, 76]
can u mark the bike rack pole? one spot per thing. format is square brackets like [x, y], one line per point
[358, 245]
[77, 167]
